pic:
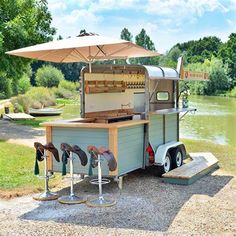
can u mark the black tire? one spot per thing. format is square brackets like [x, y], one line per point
[177, 157]
[166, 167]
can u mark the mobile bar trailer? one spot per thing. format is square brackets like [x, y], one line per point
[131, 109]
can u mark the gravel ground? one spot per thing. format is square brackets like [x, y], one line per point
[145, 206]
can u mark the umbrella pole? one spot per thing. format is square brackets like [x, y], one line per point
[90, 67]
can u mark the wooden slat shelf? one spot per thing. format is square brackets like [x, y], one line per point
[104, 86]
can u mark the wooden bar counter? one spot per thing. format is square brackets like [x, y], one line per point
[125, 139]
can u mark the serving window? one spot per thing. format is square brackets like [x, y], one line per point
[162, 96]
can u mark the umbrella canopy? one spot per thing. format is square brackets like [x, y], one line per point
[83, 49]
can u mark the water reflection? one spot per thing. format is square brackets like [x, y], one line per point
[215, 120]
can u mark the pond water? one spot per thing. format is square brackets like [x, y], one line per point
[214, 120]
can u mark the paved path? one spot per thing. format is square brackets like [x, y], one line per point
[20, 134]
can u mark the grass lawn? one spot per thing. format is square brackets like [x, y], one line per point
[17, 164]
[16, 171]
[226, 154]
[34, 123]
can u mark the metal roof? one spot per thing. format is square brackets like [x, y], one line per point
[157, 72]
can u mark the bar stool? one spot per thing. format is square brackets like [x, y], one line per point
[68, 154]
[41, 155]
[101, 200]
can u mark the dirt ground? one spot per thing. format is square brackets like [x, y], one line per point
[145, 206]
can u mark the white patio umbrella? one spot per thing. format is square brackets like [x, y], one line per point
[83, 49]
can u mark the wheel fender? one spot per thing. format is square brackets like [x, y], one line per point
[163, 149]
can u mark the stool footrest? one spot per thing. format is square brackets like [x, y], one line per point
[103, 181]
[45, 177]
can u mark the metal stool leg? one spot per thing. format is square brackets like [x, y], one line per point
[46, 195]
[101, 200]
[72, 198]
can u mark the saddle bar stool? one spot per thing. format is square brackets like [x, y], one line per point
[41, 155]
[96, 153]
[68, 154]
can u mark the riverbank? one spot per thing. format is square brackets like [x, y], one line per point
[226, 154]
[231, 93]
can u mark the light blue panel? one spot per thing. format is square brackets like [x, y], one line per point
[83, 137]
[130, 148]
[156, 130]
[171, 127]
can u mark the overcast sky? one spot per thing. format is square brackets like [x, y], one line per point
[166, 21]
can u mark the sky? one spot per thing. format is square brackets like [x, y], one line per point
[167, 22]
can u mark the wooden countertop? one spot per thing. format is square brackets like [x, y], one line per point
[79, 123]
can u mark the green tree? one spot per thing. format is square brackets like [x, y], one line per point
[48, 76]
[228, 54]
[143, 40]
[199, 50]
[22, 23]
[24, 84]
[218, 82]
[171, 57]
[126, 35]
[5, 86]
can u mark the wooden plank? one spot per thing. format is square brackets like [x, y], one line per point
[109, 113]
[79, 138]
[18, 116]
[113, 146]
[171, 128]
[201, 164]
[130, 149]
[49, 139]
[156, 130]
[64, 123]
[191, 75]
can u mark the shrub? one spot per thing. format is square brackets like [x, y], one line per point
[232, 93]
[36, 97]
[48, 76]
[21, 103]
[24, 84]
[39, 97]
[72, 86]
[5, 86]
[63, 93]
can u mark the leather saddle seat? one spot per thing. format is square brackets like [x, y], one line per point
[49, 147]
[65, 147]
[106, 153]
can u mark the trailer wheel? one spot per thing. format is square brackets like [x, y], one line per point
[167, 165]
[177, 157]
